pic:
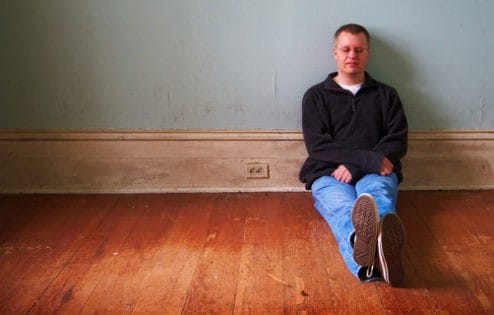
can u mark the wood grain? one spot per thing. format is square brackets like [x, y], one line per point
[242, 253]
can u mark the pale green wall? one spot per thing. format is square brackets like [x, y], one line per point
[233, 64]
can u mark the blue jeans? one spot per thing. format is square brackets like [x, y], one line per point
[334, 200]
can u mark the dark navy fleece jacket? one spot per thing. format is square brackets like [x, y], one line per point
[357, 131]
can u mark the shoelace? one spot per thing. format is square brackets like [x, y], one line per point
[370, 270]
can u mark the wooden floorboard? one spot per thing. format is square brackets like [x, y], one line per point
[239, 253]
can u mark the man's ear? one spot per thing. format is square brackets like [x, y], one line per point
[335, 52]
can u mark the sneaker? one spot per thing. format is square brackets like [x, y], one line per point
[366, 224]
[364, 276]
[390, 242]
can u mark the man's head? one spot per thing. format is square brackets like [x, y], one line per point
[352, 29]
[351, 51]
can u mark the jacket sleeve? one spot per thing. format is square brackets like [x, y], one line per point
[322, 146]
[394, 143]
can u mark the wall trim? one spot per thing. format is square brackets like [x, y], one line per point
[150, 135]
[156, 161]
[187, 134]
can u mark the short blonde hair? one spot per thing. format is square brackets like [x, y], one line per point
[353, 29]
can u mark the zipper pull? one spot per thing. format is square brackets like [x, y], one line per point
[353, 104]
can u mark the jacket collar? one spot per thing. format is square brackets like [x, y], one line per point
[329, 83]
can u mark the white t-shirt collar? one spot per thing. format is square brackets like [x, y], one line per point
[352, 88]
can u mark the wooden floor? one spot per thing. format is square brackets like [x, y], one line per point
[256, 253]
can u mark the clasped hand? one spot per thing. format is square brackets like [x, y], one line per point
[343, 174]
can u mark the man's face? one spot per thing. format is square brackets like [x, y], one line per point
[351, 52]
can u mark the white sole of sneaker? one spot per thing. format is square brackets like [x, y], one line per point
[390, 242]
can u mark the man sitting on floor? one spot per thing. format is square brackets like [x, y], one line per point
[355, 131]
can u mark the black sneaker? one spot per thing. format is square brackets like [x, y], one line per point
[366, 224]
[390, 242]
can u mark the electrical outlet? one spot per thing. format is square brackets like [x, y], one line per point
[256, 170]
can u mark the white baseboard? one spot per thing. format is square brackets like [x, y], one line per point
[142, 161]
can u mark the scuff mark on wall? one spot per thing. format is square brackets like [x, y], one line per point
[482, 110]
[275, 84]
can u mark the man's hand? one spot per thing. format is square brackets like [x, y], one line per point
[342, 174]
[386, 167]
